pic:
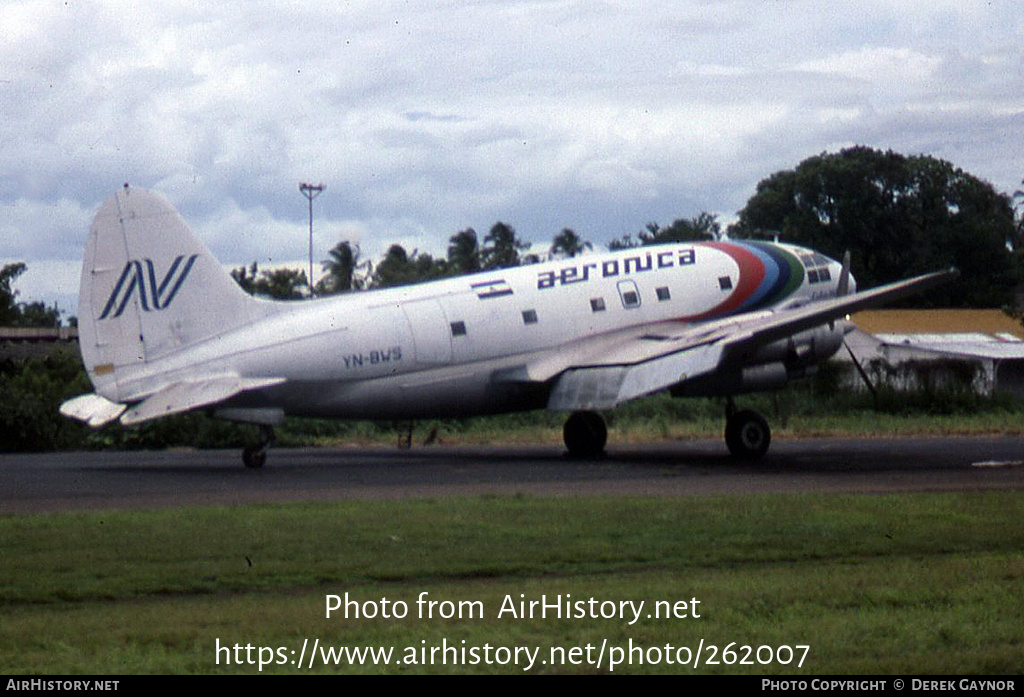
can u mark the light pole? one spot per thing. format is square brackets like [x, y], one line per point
[310, 192]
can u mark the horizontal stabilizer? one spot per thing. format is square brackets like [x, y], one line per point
[183, 396]
[92, 409]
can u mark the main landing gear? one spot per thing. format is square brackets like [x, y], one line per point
[747, 434]
[585, 434]
[253, 456]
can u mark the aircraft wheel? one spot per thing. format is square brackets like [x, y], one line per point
[253, 456]
[585, 434]
[747, 434]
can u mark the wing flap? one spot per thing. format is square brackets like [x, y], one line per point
[603, 387]
[588, 388]
[184, 396]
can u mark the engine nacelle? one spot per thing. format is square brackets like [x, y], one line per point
[805, 349]
[770, 367]
[730, 381]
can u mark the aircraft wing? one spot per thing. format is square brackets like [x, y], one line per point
[171, 399]
[647, 359]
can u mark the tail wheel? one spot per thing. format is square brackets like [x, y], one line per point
[747, 434]
[585, 434]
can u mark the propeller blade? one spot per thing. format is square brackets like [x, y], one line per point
[844, 276]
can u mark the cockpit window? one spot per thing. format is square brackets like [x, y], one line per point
[817, 267]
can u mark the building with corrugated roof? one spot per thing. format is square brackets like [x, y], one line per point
[981, 350]
[23, 342]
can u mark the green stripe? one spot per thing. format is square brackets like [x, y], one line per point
[796, 269]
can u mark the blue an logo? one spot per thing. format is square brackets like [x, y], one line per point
[140, 276]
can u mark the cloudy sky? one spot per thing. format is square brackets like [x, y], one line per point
[425, 117]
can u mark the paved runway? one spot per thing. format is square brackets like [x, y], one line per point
[58, 481]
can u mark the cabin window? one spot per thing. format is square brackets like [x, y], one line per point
[663, 294]
[629, 294]
[529, 317]
[725, 283]
[597, 304]
[458, 328]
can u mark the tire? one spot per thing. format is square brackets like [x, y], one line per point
[585, 434]
[747, 435]
[254, 456]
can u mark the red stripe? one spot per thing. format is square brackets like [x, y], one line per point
[752, 273]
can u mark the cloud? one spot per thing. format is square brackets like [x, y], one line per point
[423, 118]
[34, 229]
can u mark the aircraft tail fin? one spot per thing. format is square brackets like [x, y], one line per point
[149, 287]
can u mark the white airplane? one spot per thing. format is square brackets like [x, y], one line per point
[163, 329]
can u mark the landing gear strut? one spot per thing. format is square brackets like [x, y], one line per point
[746, 433]
[585, 434]
[253, 456]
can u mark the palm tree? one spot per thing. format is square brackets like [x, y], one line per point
[463, 253]
[502, 247]
[568, 244]
[343, 269]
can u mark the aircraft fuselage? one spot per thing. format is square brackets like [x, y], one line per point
[482, 343]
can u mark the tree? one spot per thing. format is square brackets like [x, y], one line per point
[502, 247]
[343, 270]
[283, 284]
[37, 314]
[899, 216]
[568, 244]
[279, 284]
[9, 312]
[15, 314]
[246, 278]
[1018, 239]
[463, 253]
[624, 242]
[700, 228]
[399, 268]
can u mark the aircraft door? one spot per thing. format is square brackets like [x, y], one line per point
[431, 331]
[629, 294]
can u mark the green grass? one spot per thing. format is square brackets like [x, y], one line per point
[661, 417]
[31, 392]
[916, 583]
[799, 411]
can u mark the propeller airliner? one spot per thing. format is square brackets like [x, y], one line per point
[164, 329]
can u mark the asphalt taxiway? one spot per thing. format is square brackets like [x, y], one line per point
[61, 481]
